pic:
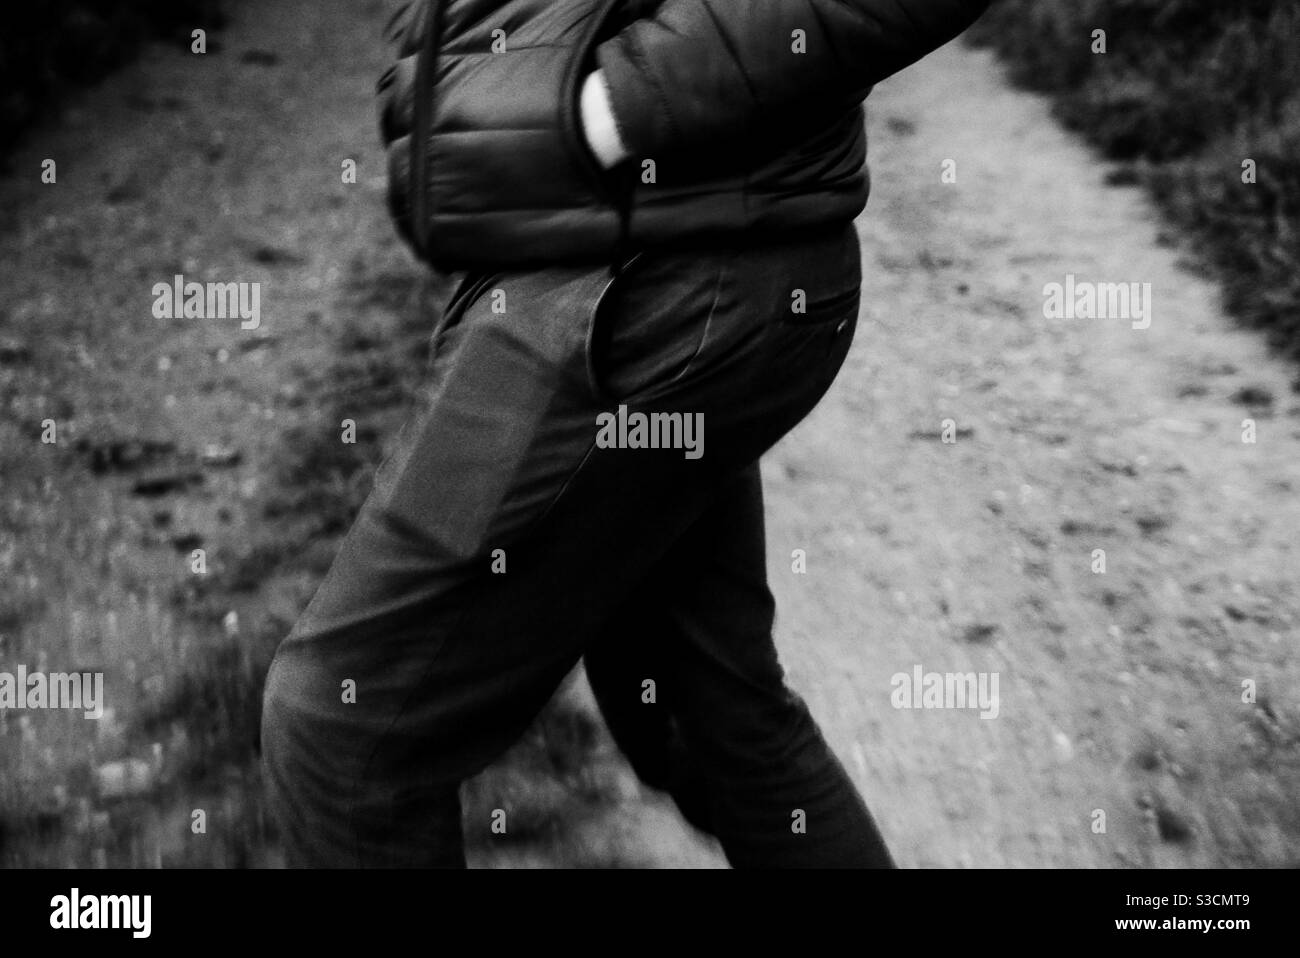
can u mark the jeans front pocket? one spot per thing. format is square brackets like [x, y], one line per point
[472, 285]
[652, 323]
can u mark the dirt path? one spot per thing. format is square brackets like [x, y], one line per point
[1119, 691]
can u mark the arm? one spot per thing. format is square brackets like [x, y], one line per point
[703, 72]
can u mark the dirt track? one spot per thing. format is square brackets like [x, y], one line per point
[1119, 691]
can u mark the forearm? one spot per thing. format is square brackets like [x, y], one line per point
[703, 72]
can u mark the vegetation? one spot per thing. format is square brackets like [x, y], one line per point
[1186, 92]
[53, 45]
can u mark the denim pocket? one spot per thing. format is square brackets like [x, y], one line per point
[472, 285]
[597, 332]
[653, 322]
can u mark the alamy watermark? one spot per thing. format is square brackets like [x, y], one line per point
[946, 690]
[1076, 299]
[55, 690]
[179, 299]
[656, 430]
[75, 910]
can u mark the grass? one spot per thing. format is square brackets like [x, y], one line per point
[317, 485]
[1185, 92]
[195, 681]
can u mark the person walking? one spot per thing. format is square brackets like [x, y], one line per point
[648, 207]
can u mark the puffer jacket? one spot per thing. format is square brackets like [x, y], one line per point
[744, 118]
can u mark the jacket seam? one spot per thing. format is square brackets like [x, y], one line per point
[635, 53]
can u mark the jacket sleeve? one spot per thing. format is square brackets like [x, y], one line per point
[697, 73]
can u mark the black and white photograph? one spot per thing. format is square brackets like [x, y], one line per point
[655, 435]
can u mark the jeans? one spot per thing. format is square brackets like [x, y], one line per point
[504, 540]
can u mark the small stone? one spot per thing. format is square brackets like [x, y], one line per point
[220, 456]
[1253, 396]
[1062, 745]
[1172, 826]
[979, 633]
[130, 777]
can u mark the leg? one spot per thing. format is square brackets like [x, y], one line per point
[422, 657]
[725, 737]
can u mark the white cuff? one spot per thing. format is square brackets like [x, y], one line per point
[598, 124]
